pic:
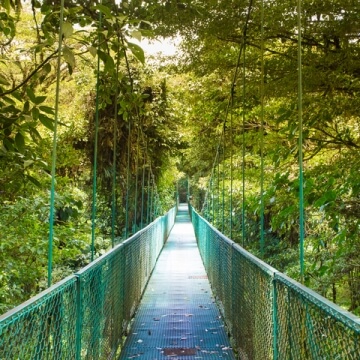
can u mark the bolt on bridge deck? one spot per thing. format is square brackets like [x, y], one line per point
[178, 316]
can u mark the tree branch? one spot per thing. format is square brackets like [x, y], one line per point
[37, 68]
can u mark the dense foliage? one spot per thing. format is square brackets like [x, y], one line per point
[225, 123]
[204, 114]
[136, 134]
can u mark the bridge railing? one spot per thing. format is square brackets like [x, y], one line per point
[269, 315]
[86, 315]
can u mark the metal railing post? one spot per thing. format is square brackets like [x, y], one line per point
[78, 317]
[274, 318]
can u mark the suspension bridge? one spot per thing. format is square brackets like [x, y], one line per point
[178, 288]
[150, 298]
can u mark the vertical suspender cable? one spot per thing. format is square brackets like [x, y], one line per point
[231, 159]
[142, 194]
[136, 180]
[230, 105]
[188, 188]
[113, 201]
[128, 148]
[301, 172]
[93, 211]
[145, 155]
[218, 191]
[243, 233]
[148, 199]
[243, 148]
[127, 180]
[223, 183]
[262, 93]
[53, 160]
[212, 198]
[151, 199]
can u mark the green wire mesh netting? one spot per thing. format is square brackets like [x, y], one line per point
[311, 327]
[42, 328]
[86, 315]
[269, 315]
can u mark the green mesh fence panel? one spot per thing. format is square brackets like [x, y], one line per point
[86, 315]
[111, 289]
[269, 315]
[243, 286]
[43, 327]
[311, 327]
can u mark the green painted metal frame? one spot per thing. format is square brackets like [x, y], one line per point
[269, 315]
[86, 315]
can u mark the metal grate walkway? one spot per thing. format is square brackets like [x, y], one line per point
[177, 317]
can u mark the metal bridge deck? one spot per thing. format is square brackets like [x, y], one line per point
[177, 317]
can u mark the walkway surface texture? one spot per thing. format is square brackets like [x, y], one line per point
[177, 317]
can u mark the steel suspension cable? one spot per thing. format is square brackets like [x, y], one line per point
[218, 192]
[243, 233]
[143, 137]
[136, 180]
[113, 201]
[230, 105]
[142, 193]
[148, 199]
[223, 183]
[231, 162]
[243, 149]
[301, 170]
[54, 148]
[262, 95]
[128, 146]
[93, 210]
[127, 180]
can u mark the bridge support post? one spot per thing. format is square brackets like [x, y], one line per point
[78, 318]
[274, 318]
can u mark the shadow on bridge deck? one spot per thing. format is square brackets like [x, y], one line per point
[177, 316]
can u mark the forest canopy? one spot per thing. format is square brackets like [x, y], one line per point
[223, 112]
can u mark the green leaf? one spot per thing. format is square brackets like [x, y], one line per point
[26, 107]
[92, 50]
[109, 65]
[35, 135]
[70, 68]
[9, 100]
[39, 99]
[35, 113]
[8, 143]
[47, 67]
[68, 29]
[104, 9]
[20, 142]
[47, 109]
[137, 51]
[47, 122]
[18, 96]
[3, 80]
[6, 5]
[27, 163]
[69, 56]
[31, 94]
[136, 34]
[34, 181]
